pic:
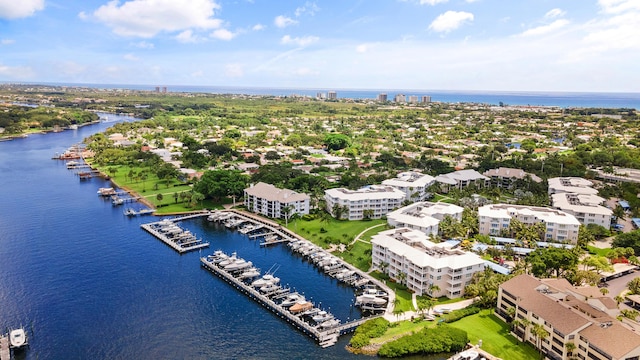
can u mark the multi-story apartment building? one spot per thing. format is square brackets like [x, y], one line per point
[379, 200]
[400, 98]
[413, 184]
[506, 178]
[461, 179]
[424, 216]
[382, 97]
[572, 185]
[272, 202]
[408, 256]
[580, 316]
[561, 226]
[586, 208]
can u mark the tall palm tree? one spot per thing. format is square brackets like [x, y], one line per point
[286, 211]
[540, 333]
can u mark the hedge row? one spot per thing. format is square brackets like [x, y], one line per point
[368, 330]
[459, 314]
[427, 341]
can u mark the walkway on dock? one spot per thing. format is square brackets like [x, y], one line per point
[150, 227]
[5, 353]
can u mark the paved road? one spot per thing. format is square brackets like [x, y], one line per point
[616, 286]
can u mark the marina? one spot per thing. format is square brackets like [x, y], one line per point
[173, 235]
[319, 324]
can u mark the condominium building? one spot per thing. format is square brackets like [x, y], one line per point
[408, 256]
[561, 226]
[506, 178]
[413, 184]
[332, 95]
[425, 99]
[374, 201]
[400, 98]
[586, 208]
[573, 185]
[273, 202]
[413, 99]
[382, 97]
[579, 322]
[424, 216]
[461, 179]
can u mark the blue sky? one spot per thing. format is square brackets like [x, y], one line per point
[523, 45]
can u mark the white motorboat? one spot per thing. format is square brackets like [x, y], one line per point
[368, 299]
[18, 338]
[301, 306]
[239, 264]
[250, 273]
[265, 280]
[376, 292]
[269, 288]
[322, 316]
[329, 324]
[291, 299]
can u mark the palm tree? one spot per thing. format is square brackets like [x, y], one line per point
[540, 333]
[618, 299]
[433, 288]
[402, 277]
[286, 211]
[159, 197]
[604, 291]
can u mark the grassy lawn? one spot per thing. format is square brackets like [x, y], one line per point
[495, 336]
[402, 328]
[598, 251]
[359, 255]
[403, 296]
[334, 231]
[369, 233]
[442, 300]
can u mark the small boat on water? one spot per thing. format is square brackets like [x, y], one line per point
[322, 316]
[265, 280]
[368, 299]
[291, 299]
[18, 338]
[301, 306]
[239, 264]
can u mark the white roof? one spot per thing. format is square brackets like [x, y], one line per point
[506, 172]
[425, 253]
[410, 179]
[424, 213]
[452, 178]
[588, 204]
[272, 193]
[574, 185]
[507, 211]
[373, 192]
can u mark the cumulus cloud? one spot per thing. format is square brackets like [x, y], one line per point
[450, 20]
[15, 9]
[187, 37]
[146, 18]
[308, 8]
[299, 41]
[282, 21]
[223, 34]
[554, 13]
[143, 45]
[546, 29]
[257, 27]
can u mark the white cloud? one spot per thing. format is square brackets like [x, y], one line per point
[282, 21]
[233, 70]
[545, 29]
[15, 9]
[362, 48]
[299, 41]
[7, 41]
[304, 71]
[143, 45]
[223, 34]
[617, 32]
[554, 13]
[131, 57]
[308, 8]
[187, 37]
[450, 20]
[432, 2]
[258, 27]
[618, 6]
[16, 72]
[146, 18]
[83, 15]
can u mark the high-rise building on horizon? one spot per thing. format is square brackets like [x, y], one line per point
[400, 98]
[332, 95]
[425, 99]
[382, 97]
[413, 99]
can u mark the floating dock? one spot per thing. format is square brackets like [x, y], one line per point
[174, 236]
[5, 353]
[325, 338]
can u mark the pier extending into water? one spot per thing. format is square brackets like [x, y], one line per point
[171, 234]
[325, 338]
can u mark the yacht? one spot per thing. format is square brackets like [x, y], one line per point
[239, 264]
[300, 306]
[18, 338]
[367, 299]
[265, 280]
[328, 324]
[250, 273]
[291, 299]
[322, 316]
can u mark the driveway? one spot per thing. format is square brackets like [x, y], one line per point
[617, 285]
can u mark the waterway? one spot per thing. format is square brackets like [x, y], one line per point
[88, 283]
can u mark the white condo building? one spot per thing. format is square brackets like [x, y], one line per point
[423, 262]
[271, 201]
[573, 185]
[561, 226]
[461, 179]
[586, 208]
[378, 198]
[424, 216]
[412, 183]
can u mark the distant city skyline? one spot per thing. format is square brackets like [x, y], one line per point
[528, 45]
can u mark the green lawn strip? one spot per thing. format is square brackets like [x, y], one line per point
[369, 233]
[334, 231]
[359, 255]
[402, 328]
[442, 300]
[598, 251]
[495, 336]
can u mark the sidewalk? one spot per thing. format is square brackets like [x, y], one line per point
[408, 315]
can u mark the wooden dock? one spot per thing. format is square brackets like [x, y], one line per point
[5, 353]
[324, 338]
[181, 248]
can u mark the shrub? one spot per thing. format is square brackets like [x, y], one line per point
[459, 314]
[427, 341]
[368, 330]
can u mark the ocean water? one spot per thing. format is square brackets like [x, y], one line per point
[88, 283]
[532, 98]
